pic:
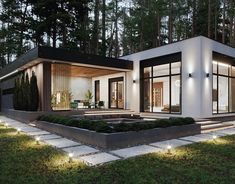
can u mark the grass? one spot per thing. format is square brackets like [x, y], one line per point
[22, 161]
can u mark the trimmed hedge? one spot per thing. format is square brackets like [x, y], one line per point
[102, 126]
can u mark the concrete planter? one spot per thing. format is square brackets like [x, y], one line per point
[120, 139]
[29, 116]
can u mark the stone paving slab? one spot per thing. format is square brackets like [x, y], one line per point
[62, 143]
[81, 150]
[173, 143]
[135, 151]
[206, 136]
[193, 139]
[30, 129]
[38, 133]
[219, 134]
[49, 136]
[228, 131]
[99, 158]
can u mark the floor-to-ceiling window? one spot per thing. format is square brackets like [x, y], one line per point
[161, 85]
[116, 93]
[223, 93]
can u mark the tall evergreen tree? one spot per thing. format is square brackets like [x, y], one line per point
[34, 93]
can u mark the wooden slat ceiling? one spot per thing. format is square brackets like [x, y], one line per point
[80, 71]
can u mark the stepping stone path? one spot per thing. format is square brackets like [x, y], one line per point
[173, 143]
[93, 156]
[135, 151]
[81, 150]
[62, 143]
[99, 158]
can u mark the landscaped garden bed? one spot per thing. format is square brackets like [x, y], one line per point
[109, 136]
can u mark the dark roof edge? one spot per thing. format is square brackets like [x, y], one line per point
[19, 62]
[71, 55]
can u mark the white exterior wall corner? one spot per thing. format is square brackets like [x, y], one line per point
[208, 46]
[197, 60]
[191, 63]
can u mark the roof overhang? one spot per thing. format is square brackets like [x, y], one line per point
[65, 56]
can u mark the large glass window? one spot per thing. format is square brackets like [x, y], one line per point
[60, 88]
[223, 88]
[162, 90]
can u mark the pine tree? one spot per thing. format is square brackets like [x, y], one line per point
[34, 93]
[16, 95]
[27, 93]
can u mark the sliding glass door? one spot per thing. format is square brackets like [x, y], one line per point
[116, 91]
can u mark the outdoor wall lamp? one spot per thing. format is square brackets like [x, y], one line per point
[190, 75]
[207, 75]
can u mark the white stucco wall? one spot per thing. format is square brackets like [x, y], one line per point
[197, 60]
[79, 87]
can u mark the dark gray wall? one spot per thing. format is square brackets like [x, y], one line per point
[7, 100]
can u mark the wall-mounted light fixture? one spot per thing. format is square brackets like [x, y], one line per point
[207, 75]
[190, 75]
[134, 81]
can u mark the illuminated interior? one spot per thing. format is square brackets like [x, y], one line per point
[70, 84]
[223, 94]
[162, 88]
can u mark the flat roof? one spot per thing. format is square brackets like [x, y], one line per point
[49, 54]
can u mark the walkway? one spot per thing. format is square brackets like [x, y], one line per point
[93, 156]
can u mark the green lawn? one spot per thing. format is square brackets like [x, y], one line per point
[22, 161]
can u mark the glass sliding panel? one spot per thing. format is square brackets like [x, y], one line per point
[97, 91]
[120, 95]
[161, 70]
[215, 94]
[175, 68]
[223, 69]
[232, 74]
[175, 94]
[215, 67]
[161, 94]
[147, 72]
[147, 95]
[223, 94]
[60, 87]
[232, 95]
[113, 95]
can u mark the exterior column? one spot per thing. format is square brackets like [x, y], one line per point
[46, 98]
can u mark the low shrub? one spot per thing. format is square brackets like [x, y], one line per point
[102, 126]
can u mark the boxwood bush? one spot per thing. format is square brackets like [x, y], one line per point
[102, 126]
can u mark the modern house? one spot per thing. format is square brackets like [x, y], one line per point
[193, 77]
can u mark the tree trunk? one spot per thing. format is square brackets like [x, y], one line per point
[194, 17]
[116, 30]
[170, 22]
[216, 23]
[103, 28]
[223, 23]
[95, 28]
[209, 20]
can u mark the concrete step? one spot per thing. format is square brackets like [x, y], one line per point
[215, 126]
[203, 123]
[201, 120]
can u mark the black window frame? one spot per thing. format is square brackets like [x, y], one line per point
[221, 58]
[166, 59]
